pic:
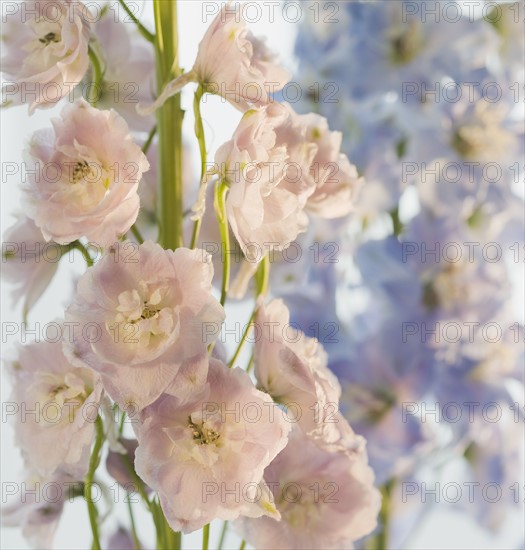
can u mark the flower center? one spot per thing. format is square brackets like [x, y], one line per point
[67, 392]
[50, 37]
[483, 136]
[142, 318]
[149, 311]
[406, 45]
[301, 509]
[81, 171]
[447, 288]
[202, 433]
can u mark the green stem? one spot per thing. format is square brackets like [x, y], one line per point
[159, 524]
[150, 37]
[137, 234]
[201, 138]
[243, 338]
[221, 190]
[250, 364]
[262, 278]
[77, 245]
[139, 485]
[136, 541]
[396, 222]
[169, 122]
[97, 77]
[205, 536]
[93, 464]
[149, 140]
[243, 545]
[380, 540]
[223, 535]
[173, 538]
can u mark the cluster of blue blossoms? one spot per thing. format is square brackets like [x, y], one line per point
[421, 311]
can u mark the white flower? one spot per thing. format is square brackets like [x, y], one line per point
[206, 455]
[46, 44]
[28, 261]
[87, 171]
[65, 399]
[141, 318]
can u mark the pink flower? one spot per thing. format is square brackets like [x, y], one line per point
[38, 506]
[206, 457]
[129, 69]
[141, 318]
[87, 174]
[336, 179]
[121, 539]
[66, 401]
[326, 500]
[292, 368]
[231, 62]
[46, 44]
[28, 261]
[266, 164]
[120, 465]
[235, 64]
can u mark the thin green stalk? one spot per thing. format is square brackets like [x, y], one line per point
[149, 140]
[158, 519]
[77, 245]
[150, 37]
[221, 190]
[169, 122]
[262, 279]
[223, 535]
[243, 545]
[121, 424]
[243, 338]
[174, 538]
[205, 536]
[137, 234]
[93, 464]
[397, 224]
[250, 363]
[201, 138]
[97, 77]
[139, 485]
[263, 276]
[136, 541]
[380, 540]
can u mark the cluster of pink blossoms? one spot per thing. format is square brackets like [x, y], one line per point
[212, 441]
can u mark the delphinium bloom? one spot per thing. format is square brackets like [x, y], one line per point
[87, 171]
[28, 261]
[265, 204]
[233, 63]
[399, 45]
[121, 539]
[326, 499]
[336, 180]
[376, 373]
[58, 436]
[205, 455]
[381, 379]
[279, 166]
[38, 507]
[129, 70]
[46, 51]
[292, 368]
[140, 319]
